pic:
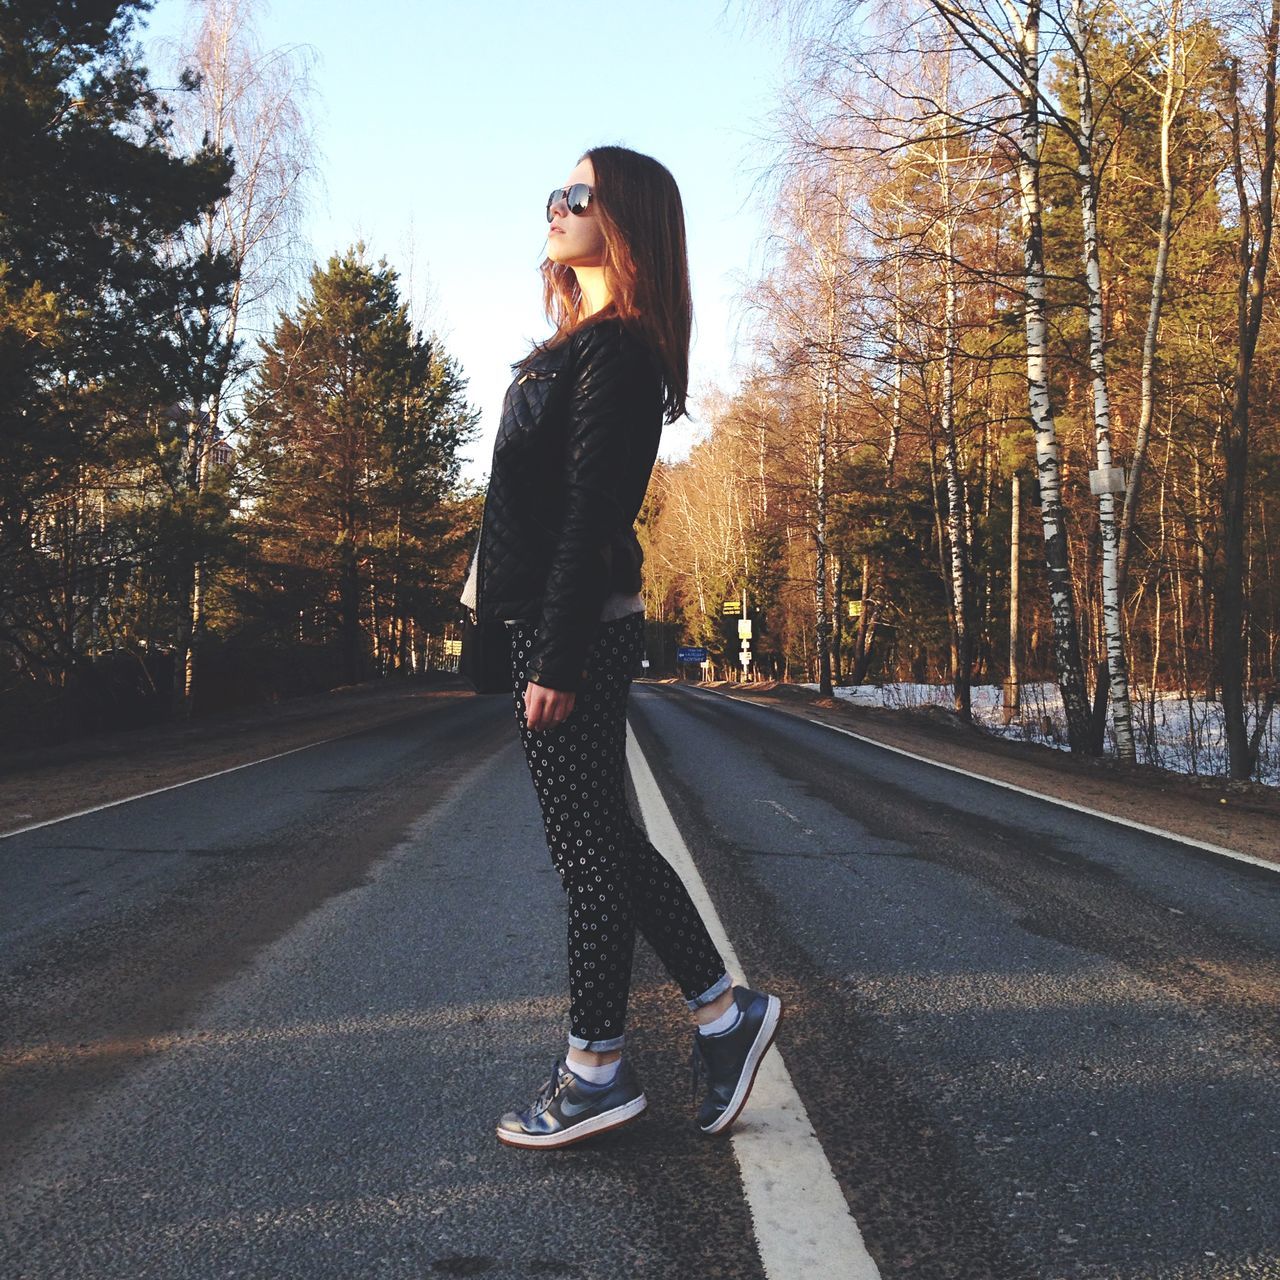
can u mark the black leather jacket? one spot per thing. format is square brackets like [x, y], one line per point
[575, 449]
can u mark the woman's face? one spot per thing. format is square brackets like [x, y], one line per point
[576, 239]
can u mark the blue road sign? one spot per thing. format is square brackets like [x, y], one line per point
[691, 655]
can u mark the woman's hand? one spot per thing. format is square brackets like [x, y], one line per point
[546, 708]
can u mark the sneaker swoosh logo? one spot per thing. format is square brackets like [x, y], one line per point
[575, 1108]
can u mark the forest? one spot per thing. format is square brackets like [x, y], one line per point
[195, 514]
[1010, 418]
[1006, 418]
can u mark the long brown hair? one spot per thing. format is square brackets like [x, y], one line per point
[646, 267]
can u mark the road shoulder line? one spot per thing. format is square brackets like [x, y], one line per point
[173, 786]
[801, 1218]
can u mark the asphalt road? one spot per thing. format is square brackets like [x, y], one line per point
[262, 1025]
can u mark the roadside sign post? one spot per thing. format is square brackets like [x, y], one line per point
[691, 653]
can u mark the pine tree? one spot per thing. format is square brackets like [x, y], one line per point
[354, 420]
[93, 300]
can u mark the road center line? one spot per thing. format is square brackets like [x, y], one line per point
[787, 812]
[802, 1221]
[1026, 791]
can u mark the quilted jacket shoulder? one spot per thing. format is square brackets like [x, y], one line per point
[575, 450]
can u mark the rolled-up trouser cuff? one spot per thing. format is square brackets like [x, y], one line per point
[721, 984]
[597, 1046]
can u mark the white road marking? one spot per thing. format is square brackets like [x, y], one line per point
[802, 1221]
[173, 786]
[1026, 791]
[807, 830]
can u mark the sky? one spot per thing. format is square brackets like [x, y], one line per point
[442, 125]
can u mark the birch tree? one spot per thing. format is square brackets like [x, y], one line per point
[252, 104]
[825, 236]
[1012, 53]
[957, 175]
[1105, 475]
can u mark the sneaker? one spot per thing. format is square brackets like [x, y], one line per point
[568, 1109]
[729, 1061]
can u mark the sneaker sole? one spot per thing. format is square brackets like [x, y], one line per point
[606, 1120]
[760, 1046]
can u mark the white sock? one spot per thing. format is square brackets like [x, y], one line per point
[725, 1022]
[592, 1075]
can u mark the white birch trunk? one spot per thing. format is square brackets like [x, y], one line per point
[1057, 562]
[828, 245]
[957, 525]
[1112, 622]
[899, 326]
[820, 530]
[1012, 684]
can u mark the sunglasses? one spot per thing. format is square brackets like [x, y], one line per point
[576, 197]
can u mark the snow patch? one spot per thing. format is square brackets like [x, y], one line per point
[1186, 736]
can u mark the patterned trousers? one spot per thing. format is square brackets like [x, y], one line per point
[615, 880]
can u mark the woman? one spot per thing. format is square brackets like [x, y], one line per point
[558, 560]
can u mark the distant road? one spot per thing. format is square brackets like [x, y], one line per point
[264, 1024]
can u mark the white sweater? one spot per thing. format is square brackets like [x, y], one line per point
[617, 605]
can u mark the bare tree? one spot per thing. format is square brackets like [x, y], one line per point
[803, 309]
[958, 175]
[1171, 89]
[252, 103]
